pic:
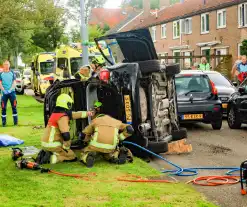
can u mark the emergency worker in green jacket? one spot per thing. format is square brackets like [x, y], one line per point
[103, 136]
[205, 66]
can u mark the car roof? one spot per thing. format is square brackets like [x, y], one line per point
[197, 72]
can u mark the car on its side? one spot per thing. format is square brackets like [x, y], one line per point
[140, 92]
[197, 99]
[224, 87]
[237, 107]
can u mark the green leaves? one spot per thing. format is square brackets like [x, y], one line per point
[243, 48]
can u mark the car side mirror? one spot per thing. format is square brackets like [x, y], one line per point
[241, 90]
[235, 84]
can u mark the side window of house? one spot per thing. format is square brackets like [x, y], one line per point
[221, 18]
[163, 31]
[153, 33]
[242, 15]
[176, 29]
[205, 23]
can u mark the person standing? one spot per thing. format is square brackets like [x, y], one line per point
[234, 68]
[204, 65]
[7, 86]
[241, 71]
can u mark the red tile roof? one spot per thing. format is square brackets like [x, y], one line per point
[111, 17]
[188, 7]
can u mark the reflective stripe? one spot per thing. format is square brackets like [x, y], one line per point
[122, 137]
[102, 145]
[52, 134]
[67, 148]
[51, 145]
[15, 115]
[84, 114]
[4, 115]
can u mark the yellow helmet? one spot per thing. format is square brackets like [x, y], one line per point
[64, 101]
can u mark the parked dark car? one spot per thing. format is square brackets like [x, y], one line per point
[224, 87]
[140, 92]
[237, 107]
[198, 99]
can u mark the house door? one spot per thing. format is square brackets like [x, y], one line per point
[187, 61]
[206, 53]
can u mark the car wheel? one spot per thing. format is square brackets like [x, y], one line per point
[149, 66]
[217, 125]
[233, 119]
[172, 69]
[179, 134]
[22, 91]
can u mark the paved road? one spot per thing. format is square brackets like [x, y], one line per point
[214, 148]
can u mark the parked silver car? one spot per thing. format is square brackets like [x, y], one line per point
[19, 88]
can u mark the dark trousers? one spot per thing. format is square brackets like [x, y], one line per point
[12, 98]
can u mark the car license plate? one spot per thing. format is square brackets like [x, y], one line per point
[192, 116]
[224, 106]
[128, 111]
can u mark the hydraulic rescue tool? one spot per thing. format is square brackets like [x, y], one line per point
[16, 153]
[26, 164]
[243, 177]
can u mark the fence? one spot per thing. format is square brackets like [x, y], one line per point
[220, 63]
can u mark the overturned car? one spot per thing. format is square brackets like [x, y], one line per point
[140, 92]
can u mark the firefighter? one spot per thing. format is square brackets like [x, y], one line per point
[97, 65]
[103, 136]
[56, 139]
[84, 73]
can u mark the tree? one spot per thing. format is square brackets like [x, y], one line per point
[243, 48]
[74, 5]
[139, 3]
[93, 31]
[51, 25]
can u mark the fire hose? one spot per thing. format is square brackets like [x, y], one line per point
[229, 178]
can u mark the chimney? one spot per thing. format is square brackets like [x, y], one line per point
[164, 3]
[146, 8]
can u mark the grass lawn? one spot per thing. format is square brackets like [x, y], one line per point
[29, 188]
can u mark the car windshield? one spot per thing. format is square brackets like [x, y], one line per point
[27, 73]
[46, 67]
[192, 84]
[219, 80]
[75, 63]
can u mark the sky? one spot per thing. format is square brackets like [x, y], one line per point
[109, 3]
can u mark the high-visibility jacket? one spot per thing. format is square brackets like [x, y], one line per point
[104, 133]
[58, 123]
[204, 66]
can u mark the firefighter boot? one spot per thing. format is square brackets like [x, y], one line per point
[88, 159]
[4, 120]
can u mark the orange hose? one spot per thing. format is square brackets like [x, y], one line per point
[81, 176]
[139, 179]
[209, 180]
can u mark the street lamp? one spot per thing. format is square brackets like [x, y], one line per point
[84, 35]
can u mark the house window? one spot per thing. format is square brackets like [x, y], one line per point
[187, 26]
[163, 31]
[205, 23]
[239, 49]
[176, 53]
[221, 19]
[153, 33]
[176, 29]
[242, 15]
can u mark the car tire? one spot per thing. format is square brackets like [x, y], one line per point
[149, 66]
[172, 69]
[158, 147]
[22, 92]
[233, 119]
[217, 125]
[179, 134]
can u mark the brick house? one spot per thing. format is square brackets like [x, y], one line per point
[197, 27]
